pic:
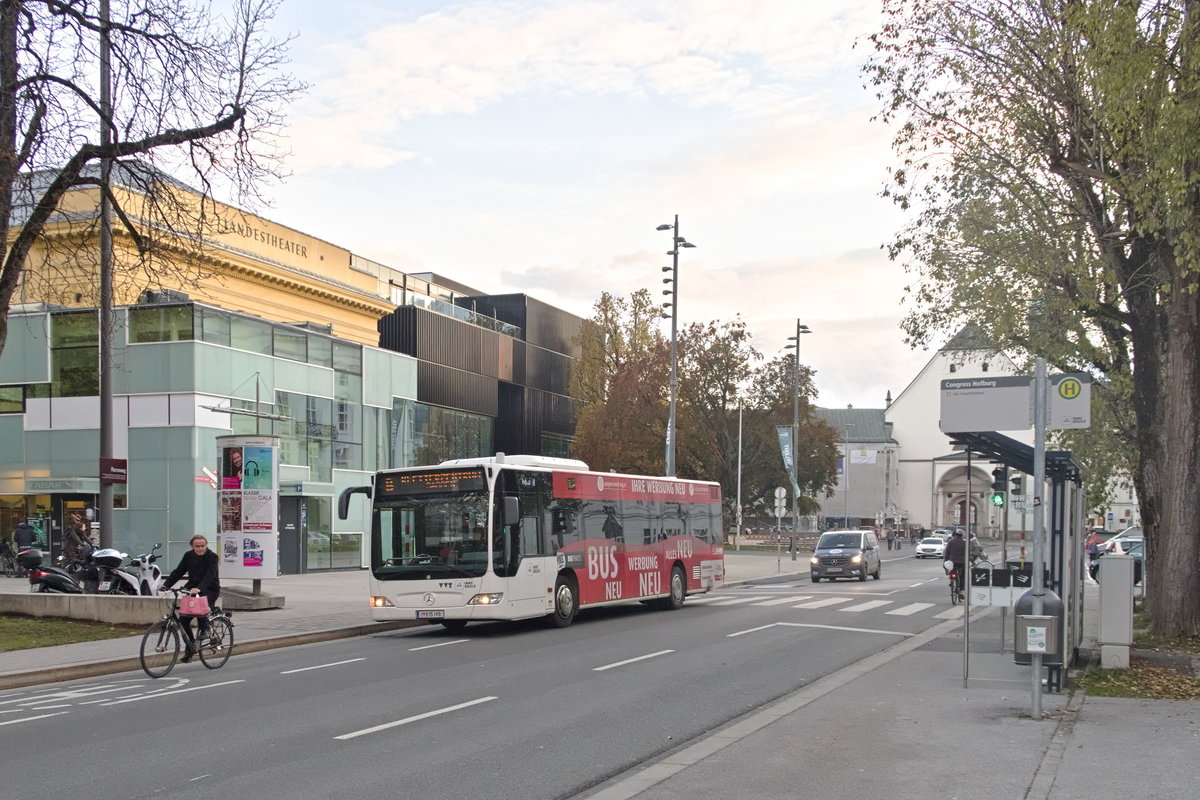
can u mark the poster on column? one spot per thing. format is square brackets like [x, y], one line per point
[248, 506]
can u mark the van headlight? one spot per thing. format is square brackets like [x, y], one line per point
[485, 599]
[814, 560]
[856, 558]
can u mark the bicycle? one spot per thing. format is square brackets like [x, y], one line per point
[8, 562]
[161, 641]
[956, 594]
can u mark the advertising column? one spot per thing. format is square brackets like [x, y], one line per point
[248, 506]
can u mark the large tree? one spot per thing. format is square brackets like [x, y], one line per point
[193, 93]
[1049, 153]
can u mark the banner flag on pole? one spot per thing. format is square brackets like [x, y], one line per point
[785, 447]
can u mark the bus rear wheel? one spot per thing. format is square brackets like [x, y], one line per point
[566, 601]
[678, 590]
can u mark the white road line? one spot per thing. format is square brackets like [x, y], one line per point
[31, 719]
[738, 600]
[841, 628]
[778, 601]
[417, 718]
[702, 599]
[173, 691]
[47, 708]
[954, 612]
[828, 601]
[915, 585]
[322, 666]
[439, 644]
[632, 660]
[750, 630]
[911, 608]
[867, 606]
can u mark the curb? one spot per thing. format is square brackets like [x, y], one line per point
[16, 680]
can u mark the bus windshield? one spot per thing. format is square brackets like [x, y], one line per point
[431, 536]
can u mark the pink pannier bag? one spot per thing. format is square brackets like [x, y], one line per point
[193, 606]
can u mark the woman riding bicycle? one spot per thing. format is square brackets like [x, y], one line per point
[201, 565]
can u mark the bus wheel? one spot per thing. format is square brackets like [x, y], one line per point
[566, 601]
[454, 624]
[678, 590]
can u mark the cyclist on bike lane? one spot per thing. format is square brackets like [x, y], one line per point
[201, 565]
[956, 552]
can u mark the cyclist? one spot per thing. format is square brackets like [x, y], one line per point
[956, 552]
[201, 566]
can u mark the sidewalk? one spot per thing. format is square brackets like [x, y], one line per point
[896, 725]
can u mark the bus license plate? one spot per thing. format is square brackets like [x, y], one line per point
[435, 614]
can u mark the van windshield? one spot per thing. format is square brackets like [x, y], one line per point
[829, 540]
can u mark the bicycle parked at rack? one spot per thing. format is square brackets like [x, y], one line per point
[163, 640]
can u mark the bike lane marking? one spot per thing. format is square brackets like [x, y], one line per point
[417, 718]
[322, 666]
[150, 695]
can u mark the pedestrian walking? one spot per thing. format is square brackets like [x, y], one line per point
[891, 538]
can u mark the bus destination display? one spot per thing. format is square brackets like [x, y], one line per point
[400, 484]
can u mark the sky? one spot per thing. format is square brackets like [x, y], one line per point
[534, 146]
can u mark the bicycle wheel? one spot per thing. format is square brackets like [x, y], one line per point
[955, 597]
[160, 648]
[216, 646]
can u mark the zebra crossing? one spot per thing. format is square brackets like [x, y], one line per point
[807, 602]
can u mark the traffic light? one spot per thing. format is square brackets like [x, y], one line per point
[1018, 485]
[999, 485]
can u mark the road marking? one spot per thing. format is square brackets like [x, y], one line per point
[173, 691]
[417, 718]
[778, 601]
[911, 608]
[828, 601]
[867, 606]
[631, 660]
[47, 708]
[841, 628]
[733, 601]
[31, 719]
[750, 630]
[954, 612]
[439, 644]
[322, 666]
[915, 585]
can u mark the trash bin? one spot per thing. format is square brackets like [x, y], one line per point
[1052, 606]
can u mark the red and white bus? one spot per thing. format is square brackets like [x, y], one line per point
[527, 536]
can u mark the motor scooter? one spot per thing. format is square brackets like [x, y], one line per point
[109, 577]
[54, 580]
[145, 581]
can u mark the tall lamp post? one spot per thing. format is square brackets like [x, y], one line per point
[846, 471]
[677, 242]
[795, 345]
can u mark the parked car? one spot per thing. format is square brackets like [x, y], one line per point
[846, 554]
[932, 547]
[942, 533]
[1122, 541]
[1135, 550]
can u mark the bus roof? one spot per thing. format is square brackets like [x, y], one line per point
[520, 461]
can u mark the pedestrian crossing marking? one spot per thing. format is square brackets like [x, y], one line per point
[778, 601]
[867, 606]
[828, 601]
[733, 601]
[911, 608]
[954, 612]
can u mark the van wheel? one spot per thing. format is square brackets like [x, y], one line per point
[878, 572]
[815, 579]
[566, 601]
[863, 576]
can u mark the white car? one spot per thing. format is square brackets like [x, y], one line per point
[1122, 541]
[933, 547]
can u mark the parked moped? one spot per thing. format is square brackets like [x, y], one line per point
[141, 577]
[54, 580]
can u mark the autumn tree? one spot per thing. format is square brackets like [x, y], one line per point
[1049, 156]
[193, 94]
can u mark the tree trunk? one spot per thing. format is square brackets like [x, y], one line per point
[1173, 558]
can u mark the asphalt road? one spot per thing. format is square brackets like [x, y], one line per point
[512, 710]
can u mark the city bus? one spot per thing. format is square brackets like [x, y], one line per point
[519, 537]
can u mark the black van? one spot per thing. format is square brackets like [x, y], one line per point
[846, 554]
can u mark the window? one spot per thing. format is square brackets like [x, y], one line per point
[74, 355]
[213, 325]
[160, 324]
[12, 399]
[291, 344]
[251, 335]
[347, 358]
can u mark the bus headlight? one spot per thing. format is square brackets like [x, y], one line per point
[380, 602]
[485, 599]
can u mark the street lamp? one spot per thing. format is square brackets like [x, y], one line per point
[677, 242]
[846, 474]
[795, 345]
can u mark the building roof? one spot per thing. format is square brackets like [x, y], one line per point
[858, 424]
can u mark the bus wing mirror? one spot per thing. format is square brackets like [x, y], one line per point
[512, 511]
[344, 499]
